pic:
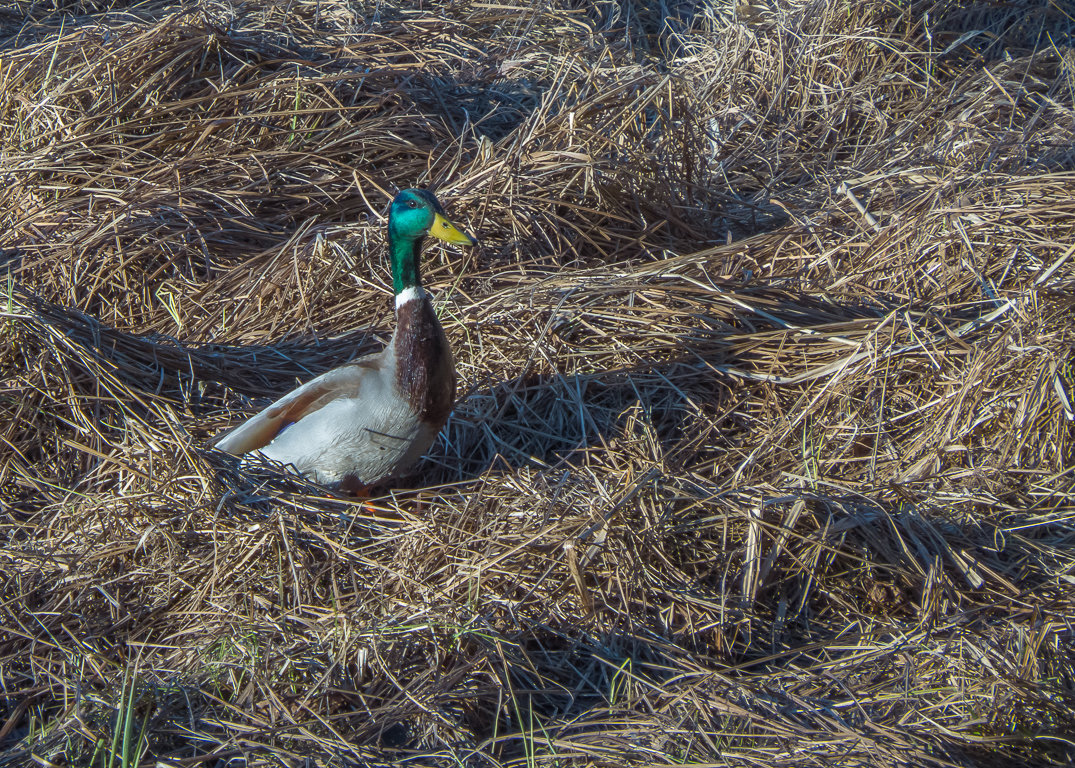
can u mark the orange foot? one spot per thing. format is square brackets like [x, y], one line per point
[364, 494]
[350, 485]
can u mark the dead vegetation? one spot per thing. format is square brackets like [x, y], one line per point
[764, 451]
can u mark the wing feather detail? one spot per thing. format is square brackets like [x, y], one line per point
[262, 429]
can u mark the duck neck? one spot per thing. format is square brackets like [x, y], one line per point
[406, 253]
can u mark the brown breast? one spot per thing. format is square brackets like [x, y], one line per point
[425, 371]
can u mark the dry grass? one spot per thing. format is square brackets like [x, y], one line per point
[764, 450]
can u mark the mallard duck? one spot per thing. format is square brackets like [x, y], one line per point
[370, 420]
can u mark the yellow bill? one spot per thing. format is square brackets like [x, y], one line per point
[443, 229]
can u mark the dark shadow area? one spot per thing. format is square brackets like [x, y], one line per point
[987, 32]
[158, 364]
[549, 420]
[492, 108]
[25, 22]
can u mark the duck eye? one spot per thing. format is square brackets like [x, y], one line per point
[412, 203]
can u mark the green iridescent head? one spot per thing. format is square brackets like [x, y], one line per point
[414, 214]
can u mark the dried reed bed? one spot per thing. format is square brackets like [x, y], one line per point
[764, 448]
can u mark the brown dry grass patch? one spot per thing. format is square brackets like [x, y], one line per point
[764, 450]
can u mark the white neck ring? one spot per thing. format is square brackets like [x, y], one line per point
[412, 293]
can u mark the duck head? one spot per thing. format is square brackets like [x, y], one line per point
[415, 213]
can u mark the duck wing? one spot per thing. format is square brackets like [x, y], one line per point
[259, 431]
